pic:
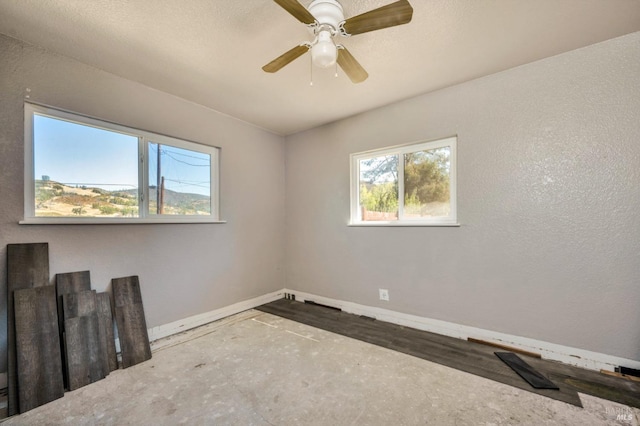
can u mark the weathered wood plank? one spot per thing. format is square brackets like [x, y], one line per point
[79, 304]
[69, 282]
[527, 372]
[105, 324]
[132, 326]
[27, 267]
[72, 282]
[37, 347]
[86, 362]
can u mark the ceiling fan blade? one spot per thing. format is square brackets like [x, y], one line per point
[297, 10]
[393, 14]
[286, 58]
[350, 66]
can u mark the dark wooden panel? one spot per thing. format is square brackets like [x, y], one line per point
[85, 363]
[524, 370]
[132, 327]
[37, 347]
[126, 291]
[28, 263]
[105, 324]
[79, 304]
[69, 282]
[27, 267]
[73, 282]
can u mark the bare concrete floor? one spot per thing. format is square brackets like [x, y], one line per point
[258, 369]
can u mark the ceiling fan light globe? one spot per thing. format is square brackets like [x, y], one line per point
[324, 54]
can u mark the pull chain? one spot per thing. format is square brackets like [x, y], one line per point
[311, 69]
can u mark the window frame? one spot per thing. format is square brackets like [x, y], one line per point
[144, 138]
[400, 150]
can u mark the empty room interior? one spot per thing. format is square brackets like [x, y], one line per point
[320, 212]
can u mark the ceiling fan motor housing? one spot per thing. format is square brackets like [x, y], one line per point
[327, 12]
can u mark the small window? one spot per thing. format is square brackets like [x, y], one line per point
[407, 185]
[79, 169]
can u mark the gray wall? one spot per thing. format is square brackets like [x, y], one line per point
[184, 269]
[548, 195]
[548, 199]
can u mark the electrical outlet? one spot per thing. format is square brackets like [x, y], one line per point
[384, 294]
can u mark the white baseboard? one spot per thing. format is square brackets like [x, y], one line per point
[194, 321]
[179, 326]
[566, 354]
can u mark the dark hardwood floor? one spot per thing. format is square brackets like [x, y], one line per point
[463, 355]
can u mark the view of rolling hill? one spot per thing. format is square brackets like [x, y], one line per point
[55, 199]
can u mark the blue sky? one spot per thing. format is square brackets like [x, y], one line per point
[76, 154]
[183, 170]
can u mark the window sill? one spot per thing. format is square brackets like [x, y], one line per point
[402, 224]
[114, 221]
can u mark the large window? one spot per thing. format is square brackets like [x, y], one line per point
[79, 169]
[406, 185]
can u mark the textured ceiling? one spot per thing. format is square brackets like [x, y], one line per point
[211, 51]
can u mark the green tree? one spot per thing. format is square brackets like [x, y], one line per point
[382, 197]
[379, 183]
[426, 180]
[426, 176]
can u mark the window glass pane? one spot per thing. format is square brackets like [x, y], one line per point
[426, 183]
[83, 171]
[378, 188]
[179, 181]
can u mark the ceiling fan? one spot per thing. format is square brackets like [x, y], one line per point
[326, 20]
